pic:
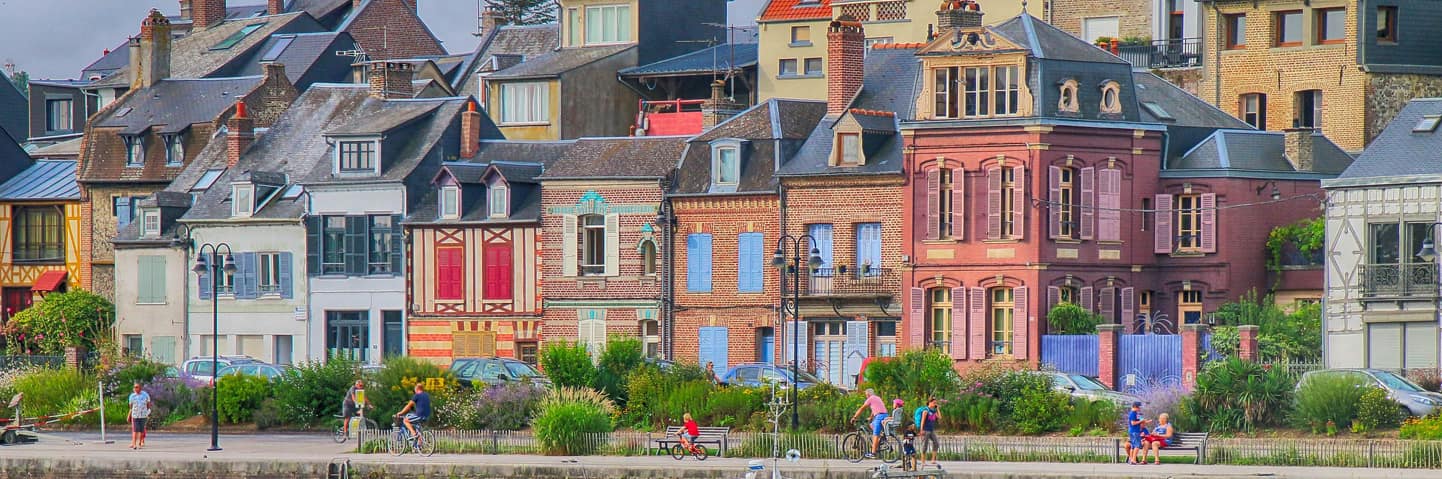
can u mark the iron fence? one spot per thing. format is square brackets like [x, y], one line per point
[1172, 53]
[10, 362]
[1399, 280]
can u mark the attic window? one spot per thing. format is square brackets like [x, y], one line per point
[242, 200]
[1427, 124]
[450, 202]
[150, 224]
[293, 192]
[235, 38]
[848, 149]
[499, 201]
[726, 163]
[174, 149]
[1068, 100]
[134, 151]
[1111, 98]
[357, 157]
[281, 43]
[206, 179]
[1157, 111]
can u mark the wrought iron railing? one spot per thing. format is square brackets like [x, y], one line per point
[1399, 280]
[869, 281]
[1172, 53]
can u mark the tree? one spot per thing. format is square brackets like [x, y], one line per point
[524, 12]
[1068, 318]
[1295, 336]
[74, 318]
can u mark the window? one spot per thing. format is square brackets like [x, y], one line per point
[1008, 88]
[134, 151]
[499, 201]
[813, 67]
[1387, 24]
[1008, 202]
[1094, 29]
[1287, 28]
[1427, 124]
[573, 18]
[873, 41]
[1330, 24]
[333, 249]
[1236, 31]
[242, 198]
[944, 206]
[1003, 308]
[1308, 109]
[940, 320]
[946, 95]
[206, 180]
[800, 36]
[150, 226]
[1254, 110]
[277, 48]
[1146, 218]
[227, 280]
[1189, 223]
[848, 148]
[821, 234]
[383, 244]
[174, 150]
[969, 92]
[269, 271]
[651, 337]
[124, 208]
[1189, 306]
[498, 271]
[134, 345]
[39, 234]
[1068, 294]
[347, 335]
[450, 202]
[728, 166]
[357, 156]
[787, 67]
[608, 24]
[868, 249]
[523, 103]
[151, 280]
[593, 245]
[58, 115]
[886, 338]
[450, 273]
[235, 38]
[526, 351]
[1394, 243]
[648, 258]
[1111, 98]
[977, 81]
[698, 263]
[1066, 202]
[1068, 102]
[750, 262]
[591, 330]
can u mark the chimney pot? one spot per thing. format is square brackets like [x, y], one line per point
[150, 52]
[719, 107]
[240, 133]
[955, 14]
[491, 18]
[845, 69]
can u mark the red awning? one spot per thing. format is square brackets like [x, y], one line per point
[49, 281]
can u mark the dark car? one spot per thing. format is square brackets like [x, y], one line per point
[483, 371]
[759, 374]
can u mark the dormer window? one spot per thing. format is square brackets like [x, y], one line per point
[848, 149]
[726, 163]
[357, 156]
[499, 201]
[150, 225]
[450, 202]
[1111, 98]
[134, 151]
[1067, 101]
[242, 200]
[976, 92]
[174, 150]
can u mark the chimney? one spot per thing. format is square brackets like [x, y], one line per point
[150, 52]
[185, 10]
[275, 71]
[240, 134]
[492, 18]
[275, 7]
[412, 4]
[719, 107]
[391, 80]
[1297, 147]
[470, 131]
[846, 47]
[956, 14]
[206, 13]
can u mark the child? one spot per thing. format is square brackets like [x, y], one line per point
[897, 414]
[1135, 425]
[689, 431]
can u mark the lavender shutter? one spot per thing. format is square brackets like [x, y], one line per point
[1109, 305]
[1129, 314]
[1086, 298]
[993, 203]
[916, 323]
[1110, 216]
[958, 323]
[1021, 324]
[287, 277]
[1209, 223]
[204, 283]
[1055, 205]
[1018, 203]
[1053, 297]
[958, 204]
[1162, 235]
[1088, 203]
[933, 204]
[976, 316]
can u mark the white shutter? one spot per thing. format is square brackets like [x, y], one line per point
[858, 340]
[613, 245]
[568, 245]
[800, 340]
[1384, 345]
[1421, 342]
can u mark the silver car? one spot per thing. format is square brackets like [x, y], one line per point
[1078, 386]
[1416, 400]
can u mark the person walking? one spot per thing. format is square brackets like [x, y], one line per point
[926, 418]
[140, 404]
[878, 417]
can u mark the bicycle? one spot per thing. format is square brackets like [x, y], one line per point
[857, 444]
[402, 441]
[679, 450]
[341, 435]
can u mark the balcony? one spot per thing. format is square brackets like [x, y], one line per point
[1173, 53]
[670, 117]
[848, 282]
[1399, 281]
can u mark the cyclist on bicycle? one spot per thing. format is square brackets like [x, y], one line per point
[420, 410]
[689, 432]
[878, 417]
[351, 405]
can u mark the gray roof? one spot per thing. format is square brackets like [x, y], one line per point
[1398, 151]
[14, 111]
[1184, 108]
[893, 78]
[555, 63]
[509, 45]
[191, 56]
[45, 180]
[716, 58]
[177, 104]
[308, 57]
[1046, 41]
[768, 127]
[62, 150]
[644, 157]
[1243, 152]
[542, 152]
[520, 162]
[413, 143]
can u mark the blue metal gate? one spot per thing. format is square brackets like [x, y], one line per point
[1070, 353]
[1150, 360]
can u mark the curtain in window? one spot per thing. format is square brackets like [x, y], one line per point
[868, 249]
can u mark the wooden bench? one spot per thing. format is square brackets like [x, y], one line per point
[718, 436]
[1189, 441]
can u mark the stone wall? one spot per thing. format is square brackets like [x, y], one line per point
[1388, 93]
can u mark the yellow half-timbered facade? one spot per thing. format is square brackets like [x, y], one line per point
[39, 234]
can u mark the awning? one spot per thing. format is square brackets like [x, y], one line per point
[49, 281]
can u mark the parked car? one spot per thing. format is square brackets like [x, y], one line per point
[1078, 386]
[269, 371]
[1415, 400]
[200, 368]
[759, 374]
[661, 364]
[472, 372]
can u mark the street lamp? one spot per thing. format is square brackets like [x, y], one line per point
[202, 266]
[1428, 253]
[779, 260]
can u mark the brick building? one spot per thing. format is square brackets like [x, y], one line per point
[1345, 68]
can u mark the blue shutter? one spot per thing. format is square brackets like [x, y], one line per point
[247, 281]
[868, 247]
[204, 283]
[822, 234]
[397, 246]
[122, 211]
[287, 283]
[313, 226]
[713, 348]
[698, 263]
[749, 263]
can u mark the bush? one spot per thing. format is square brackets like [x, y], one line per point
[656, 398]
[176, 398]
[240, 396]
[1281, 336]
[620, 357]
[974, 412]
[73, 318]
[395, 383]
[121, 376]
[52, 391]
[1162, 398]
[568, 364]
[1087, 415]
[1006, 385]
[734, 406]
[1068, 318]
[565, 419]
[913, 374]
[1430, 379]
[501, 407]
[1425, 428]
[1040, 410]
[312, 392]
[1327, 399]
[1375, 411]
[827, 408]
[269, 414]
[1238, 395]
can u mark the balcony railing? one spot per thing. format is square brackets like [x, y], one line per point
[866, 282]
[1173, 53]
[1415, 280]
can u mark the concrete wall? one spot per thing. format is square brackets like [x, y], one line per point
[152, 321]
[264, 317]
[373, 294]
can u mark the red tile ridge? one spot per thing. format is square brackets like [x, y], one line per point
[863, 111]
[898, 46]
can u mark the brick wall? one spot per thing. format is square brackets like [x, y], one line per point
[742, 313]
[389, 29]
[1135, 16]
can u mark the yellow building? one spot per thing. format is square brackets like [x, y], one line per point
[39, 234]
[792, 59]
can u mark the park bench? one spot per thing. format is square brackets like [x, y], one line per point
[1189, 441]
[718, 436]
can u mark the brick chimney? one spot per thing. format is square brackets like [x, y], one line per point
[275, 71]
[391, 80]
[240, 134]
[150, 52]
[414, 5]
[275, 7]
[491, 18]
[845, 69]
[206, 13]
[185, 10]
[1297, 147]
[470, 131]
[719, 107]
[956, 14]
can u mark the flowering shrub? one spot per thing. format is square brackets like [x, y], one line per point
[1429, 428]
[502, 407]
[177, 398]
[1375, 411]
[73, 318]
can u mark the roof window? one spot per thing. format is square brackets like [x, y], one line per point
[1427, 124]
[278, 48]
[1157, 111]
[206, 179]
[236, 37]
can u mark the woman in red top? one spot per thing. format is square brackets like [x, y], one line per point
[689, 432]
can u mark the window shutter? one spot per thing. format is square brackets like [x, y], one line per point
[916, 324]
[976, 307]
[795, 337]
[749, 263]
[958, 204]
[312, 245]
[568, 245]
[1129, 310]
[1018, 203]
[1420, 343]
[355, 245]
[1162, 236]
[1088, 203]
[1021, 324]
[398, 256]
[1054, 198]
[1209, 223]
[698, 263]
[287, 277]
[204, 283]
[858, 345]
[1087, 298]
[1110, 216]
[613, 245]
[933, 204]
[958, 323]
[247, 282]
[1109, 305]
[993, 203]
[145, 290]
[1053, 297]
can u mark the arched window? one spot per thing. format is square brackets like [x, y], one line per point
[648, 257]
[939, 321]
[1111, 98]
[1001, 318]
[1067, 100]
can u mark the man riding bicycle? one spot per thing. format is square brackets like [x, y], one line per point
[420, 407]
[878, 418]
[689, 432]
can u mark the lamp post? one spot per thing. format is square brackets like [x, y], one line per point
[202, 266]
[779, 260]
[1428, 253]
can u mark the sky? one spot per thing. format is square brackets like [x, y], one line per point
[54, 39]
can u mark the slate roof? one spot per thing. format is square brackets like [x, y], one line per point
[1244, 152]
[646, 157]
[14, 111]
[45, 180]
[320, 9]
[1398, 151]
[792, 10]
[775, 128]
[555, 63]
[308, 58]
[109, 63]
[1047, 41]
[413, 141]
[707, 60]
[892, 80]
[191, 56]
[13, 158]
[521, 163]
[174, 105]
[1184, 108]
[509, 45]
[68, 149]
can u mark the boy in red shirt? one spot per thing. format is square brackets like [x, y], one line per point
[689, 431]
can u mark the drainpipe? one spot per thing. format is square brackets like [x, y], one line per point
[668, 290]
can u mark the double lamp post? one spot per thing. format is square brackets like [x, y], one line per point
[215, 268]
[793, 255]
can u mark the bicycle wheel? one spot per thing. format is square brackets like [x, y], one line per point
[854, 447]
[428, 443]
[340, 435]
[700, 452]
[889, 449]
[397, 444]
[678, 452]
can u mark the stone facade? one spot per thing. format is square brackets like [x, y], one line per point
[1387, 93]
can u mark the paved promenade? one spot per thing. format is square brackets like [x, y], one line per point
[255, 456]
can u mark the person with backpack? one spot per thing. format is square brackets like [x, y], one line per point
[925, 419]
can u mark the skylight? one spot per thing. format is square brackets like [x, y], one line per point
[236, 37]
[293, 192]
[1157, 111]
[1427, 124]
[281, 43]
[206, 179]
